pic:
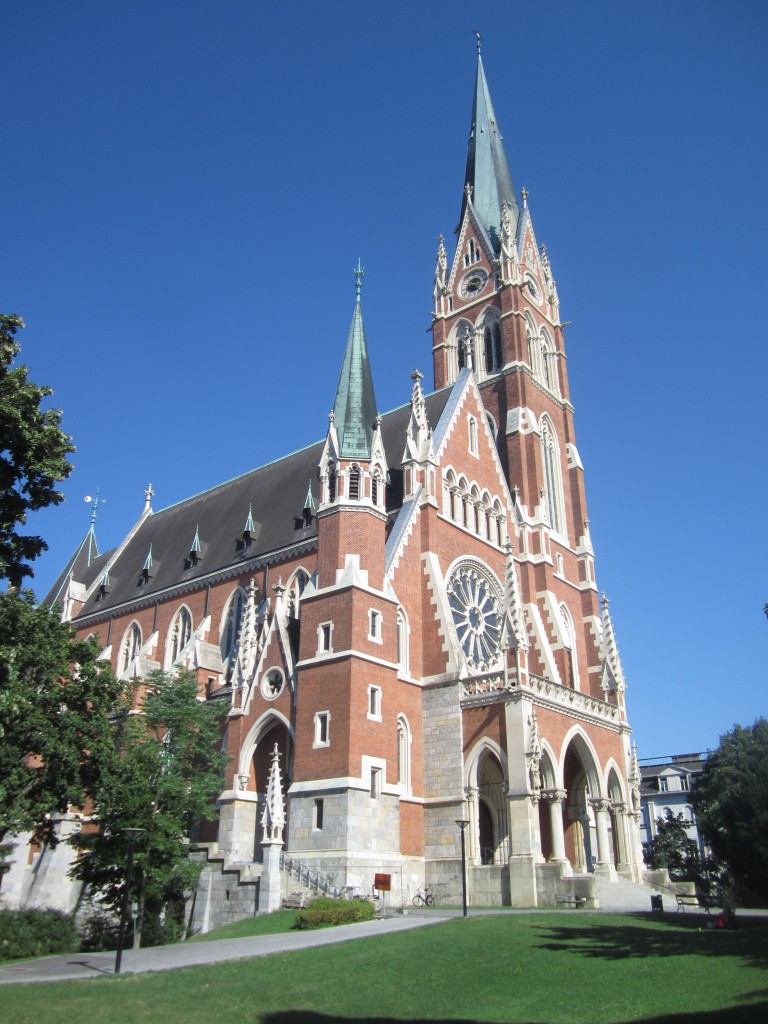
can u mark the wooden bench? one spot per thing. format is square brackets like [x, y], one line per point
[690, 899]
[564, 900]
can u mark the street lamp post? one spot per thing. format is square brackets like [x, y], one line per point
[462, 823]
[132, 834]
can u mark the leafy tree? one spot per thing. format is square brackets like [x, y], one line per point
[33, 456]
[730, 798]
[55, 698]
[671, 848]
[164, 781]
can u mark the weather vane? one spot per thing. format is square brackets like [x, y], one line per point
[359, 275]
[94, 502]
[479, 42]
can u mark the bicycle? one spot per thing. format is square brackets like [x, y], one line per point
[424, 897]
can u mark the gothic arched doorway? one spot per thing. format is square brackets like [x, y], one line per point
[581, 785]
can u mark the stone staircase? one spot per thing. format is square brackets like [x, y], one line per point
[622, 895]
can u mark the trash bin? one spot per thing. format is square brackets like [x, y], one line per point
[656, 904]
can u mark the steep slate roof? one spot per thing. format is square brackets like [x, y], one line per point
[276, 494]
[487, 168]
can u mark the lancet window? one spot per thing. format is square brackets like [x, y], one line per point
[180, 634]
[130, 647]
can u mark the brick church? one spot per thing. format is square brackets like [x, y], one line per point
[407, 608]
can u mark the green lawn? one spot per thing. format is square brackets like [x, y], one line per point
[264, 924]
[554, 969]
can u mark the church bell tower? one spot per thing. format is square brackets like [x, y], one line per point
[496, 311]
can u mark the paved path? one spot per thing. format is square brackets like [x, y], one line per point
[74, 966]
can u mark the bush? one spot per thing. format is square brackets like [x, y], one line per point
[28, 933]
[99, 931]
[325, 913]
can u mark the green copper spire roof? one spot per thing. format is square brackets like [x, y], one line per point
[354, 408]
[487, 168]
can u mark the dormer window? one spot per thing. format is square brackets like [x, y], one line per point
[146, 573]
[249, 531]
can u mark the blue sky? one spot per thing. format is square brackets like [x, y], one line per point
[186, 189]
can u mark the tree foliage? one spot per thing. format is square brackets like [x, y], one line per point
[55, 698]
[730, 798]
[164, 780]
[33, 456]
[671, 847]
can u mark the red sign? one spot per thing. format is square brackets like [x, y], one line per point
[382, 882]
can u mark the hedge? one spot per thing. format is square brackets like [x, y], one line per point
[325, 913]
[28, 933]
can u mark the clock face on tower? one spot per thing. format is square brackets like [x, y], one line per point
[475, 606]
[473, 283]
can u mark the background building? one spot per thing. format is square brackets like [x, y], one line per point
[666, 785]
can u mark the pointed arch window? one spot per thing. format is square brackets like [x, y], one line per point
[571, 662]
[354, 483]
[129, 648]
[553, 483]
[492, 345]
[295, 590]
[331, 483]
[180, 634]
[230, 625]
[403, 754]
[377, 491]
[403, 659]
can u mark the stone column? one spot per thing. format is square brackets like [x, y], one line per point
[555, 798]
[524, 836]
[604, 859]
[622, 836]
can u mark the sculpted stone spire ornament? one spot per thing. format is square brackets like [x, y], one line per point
[273, 818]
[148, 496]
[514, 625]
[533, 757]
[613, 673]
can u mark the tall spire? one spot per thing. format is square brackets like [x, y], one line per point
[487, 169]
[354, 408]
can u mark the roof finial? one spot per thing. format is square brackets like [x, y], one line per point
[148, 496]
[359, 275]
[94, 503]
[479, 42]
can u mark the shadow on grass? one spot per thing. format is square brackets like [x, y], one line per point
[748, 941]
[754, 1013]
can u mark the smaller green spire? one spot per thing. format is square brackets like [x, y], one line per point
[354, 407]
[250, 526]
